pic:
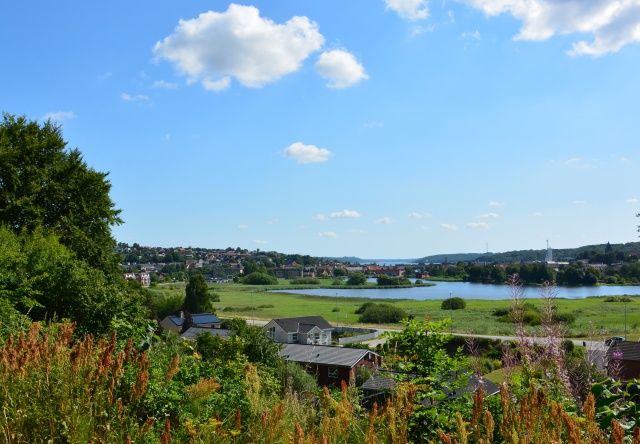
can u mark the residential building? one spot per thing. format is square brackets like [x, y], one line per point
[175, 322]
[300, 330]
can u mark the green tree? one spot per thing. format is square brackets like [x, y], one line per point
[257, 278]
[44, 184]
[197, 298]
[357, 278]
[339, 272]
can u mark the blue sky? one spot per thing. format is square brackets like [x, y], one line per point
[373, 128]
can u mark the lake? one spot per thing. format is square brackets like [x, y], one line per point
[465, 290]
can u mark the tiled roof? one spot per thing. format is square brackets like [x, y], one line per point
[302, 324]
[630, 350]
[198, 319]
[324, 355]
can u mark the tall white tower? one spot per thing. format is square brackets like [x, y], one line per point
[549, 256]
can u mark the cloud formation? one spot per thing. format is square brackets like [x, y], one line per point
[59, 116]
[409, 9]
[478, 225]
[260, 242]
[449, 227]
[340, 68]
[331, 234]
[164, 84]
[306, 153]
[612, 23]
[243, 227]
[416, 215]
[537, 214]
[239, 43]
[383, 220]
[345, 213]
[495, 204]
[632, 201]
[487, 215]
[128, 98]
[320, 217]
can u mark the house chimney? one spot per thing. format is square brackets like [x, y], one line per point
[181, 314]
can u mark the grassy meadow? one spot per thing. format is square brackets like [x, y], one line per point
[594, 316]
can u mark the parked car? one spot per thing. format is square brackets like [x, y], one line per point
[614, 339]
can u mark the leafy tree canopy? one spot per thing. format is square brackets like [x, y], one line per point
[44, 184]
[197, 298]
[357, 278]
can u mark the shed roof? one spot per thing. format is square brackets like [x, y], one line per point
[630, 351]
[198, 319]
[194, 331]
[324, 354]
[302, 324]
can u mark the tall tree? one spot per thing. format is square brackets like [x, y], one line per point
[197, 297]
[44, 184]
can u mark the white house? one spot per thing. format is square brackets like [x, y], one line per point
[300, 330]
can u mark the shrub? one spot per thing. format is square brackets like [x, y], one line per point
[257, 278]
[382, 314]
[305, 281]
[454, 304]
[357, 278]
[363, 307]
[567, 318]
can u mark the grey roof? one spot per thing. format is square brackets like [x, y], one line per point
[630, 351]
[388, 383]
[324, 354]
[302, 324]
[198, 319]
[193, 331]
[379, 383]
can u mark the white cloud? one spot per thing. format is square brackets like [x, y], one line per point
[328, 234]
[306, 153]
[487, 215]
[537, 214]
[320, 217]
[59, 116]
[239, 43]
[612, 23]
[383, 220]
[355, 231]
[260, 242]
[167, 137]
[164, 84]
[632, 201]
[495, 204]
[217, 85]
[128, 98]
[272, 221]
[243, 227]
[416, 215]
[449, 227]
[373, 124]
[573, 161]
[624, 159]
[345, 213]
[478, 225]
[409, 9]
[105, 76]
[341, 68]
[475, 35]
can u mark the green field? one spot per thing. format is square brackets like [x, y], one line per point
[237, 300]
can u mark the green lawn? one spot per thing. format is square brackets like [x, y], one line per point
[237, 300]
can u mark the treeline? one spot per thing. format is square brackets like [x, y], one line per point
[537, 273]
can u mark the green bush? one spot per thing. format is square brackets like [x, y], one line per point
[382, 314]
[453, 304]
[567, 318]
[257, 278]
[357, 278]
[363, 307]
[305, 281]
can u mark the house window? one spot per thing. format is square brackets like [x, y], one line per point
[294, 337]
[333, 372]
[272, 332]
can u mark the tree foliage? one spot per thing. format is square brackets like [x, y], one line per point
[454, 303]
[257, 278]
[357, 278]
[382, 314]
[197, 298]
[44, 184]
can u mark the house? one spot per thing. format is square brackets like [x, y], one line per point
[330, 365]
[288, 273]
[144, 278]
[623, 360]
[175, 322]
[303, 330]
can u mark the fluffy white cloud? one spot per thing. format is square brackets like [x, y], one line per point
[243, 227]
[260, 242]
[373, 125]
[306, 153]
[478, 225]
[449, 227]
[495, 204]
[355, 231]
[164, 84]
[416, 215]
[128, 98]
[409, 9]
[475, 35]
[345, 213]
[632, 201]
[217, 85]
[487, 215]
[239, 43]
[320, 217]
[328, 234]
[613, 23]
[537, 214]
[59, 116]
[341, 68]
[383, 220]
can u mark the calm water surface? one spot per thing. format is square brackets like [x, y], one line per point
[466, 290]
